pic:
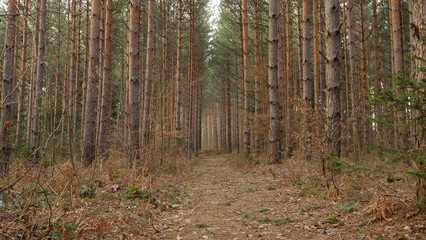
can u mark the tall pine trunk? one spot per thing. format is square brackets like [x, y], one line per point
[228, 103]
[418, 53]
[72, 77]
[274, 103]
[307, 74]
[107, 84]
[353, 81]
[316, 60]
[133, 93]
[21, 101]
[179, 69]
[7, 87]
[289, 82]
[246, 139]
[401, 134]
[257, 81]
[377, 77]
[364, 79]
[90, 116]
[307, 55]
[38, 94]
[149, 75]
[333, 74]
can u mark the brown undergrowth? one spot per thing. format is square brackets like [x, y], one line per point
[107, 200]
[374, 196]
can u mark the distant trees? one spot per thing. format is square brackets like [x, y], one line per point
[172, 84]
[310, 69]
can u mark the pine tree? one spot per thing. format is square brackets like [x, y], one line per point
[333, 74]
[90, 117]
[7, 88]
[274, 104]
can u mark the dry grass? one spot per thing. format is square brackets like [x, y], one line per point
[378, 186]
[107, 200]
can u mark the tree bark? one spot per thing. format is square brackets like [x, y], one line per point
[353, 81]
[77, 71]
[36, 133]
[274, 104]
[21, 101]
[364, 81]
[246, 80]
[228, 99]
[377, 77]
[133, 36]
[72, 74]
[307, 55]
[257, 81]
[179, 69]
[149, 75]
[333, 74]
[307, 74]
[107, 84]
[299, 83]
[418, 54]
[86, 70]
[316, 60]
[401, 134]
[89, 132]
[289, 81]
[31, 93]
[7, 87]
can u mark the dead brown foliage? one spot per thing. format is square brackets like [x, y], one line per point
[107, 200]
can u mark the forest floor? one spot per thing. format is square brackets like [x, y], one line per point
[225, 199]
[214, 196]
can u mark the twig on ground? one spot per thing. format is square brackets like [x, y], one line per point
[152, 225]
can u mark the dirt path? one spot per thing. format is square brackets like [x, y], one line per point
[224, 202]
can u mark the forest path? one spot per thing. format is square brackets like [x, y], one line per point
[222, 201]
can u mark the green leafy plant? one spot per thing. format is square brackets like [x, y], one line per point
[264, 220]
[333, 219]
[70, 226]
[346, 207]
[87, 191]
[115, 175]
[201, 225]
[263, 209]
[341, 165]
[135, 193]
[168, 185]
